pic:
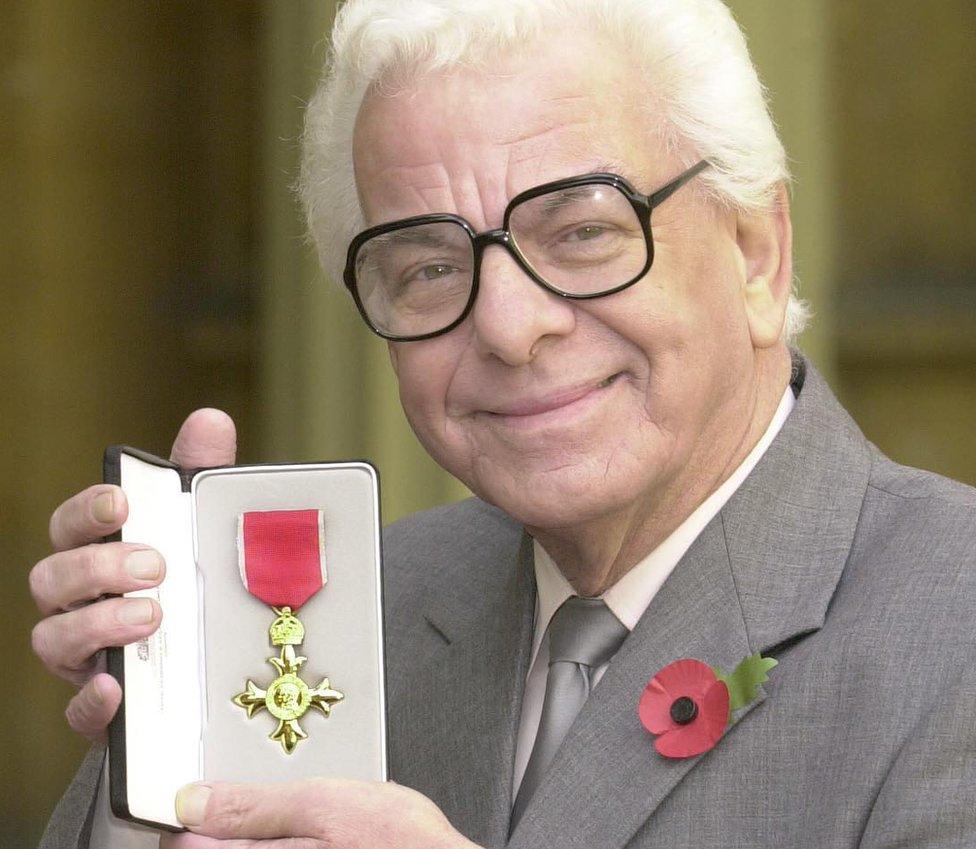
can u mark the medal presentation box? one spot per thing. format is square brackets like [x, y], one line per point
[217, 693]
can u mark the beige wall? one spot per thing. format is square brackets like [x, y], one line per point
[127, 221]
[905, 313]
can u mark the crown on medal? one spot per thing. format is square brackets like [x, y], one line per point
[286, 630]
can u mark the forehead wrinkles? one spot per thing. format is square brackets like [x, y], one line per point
[475, 140]
[479, 192]
[476, 177]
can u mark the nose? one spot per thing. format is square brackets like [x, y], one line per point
[513, 317]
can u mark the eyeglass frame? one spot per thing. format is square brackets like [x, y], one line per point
[643, 205]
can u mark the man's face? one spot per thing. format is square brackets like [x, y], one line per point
[563, 411]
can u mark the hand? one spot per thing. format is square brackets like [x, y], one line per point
[68, 586]
[317, 813]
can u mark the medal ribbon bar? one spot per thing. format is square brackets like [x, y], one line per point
[281, 556]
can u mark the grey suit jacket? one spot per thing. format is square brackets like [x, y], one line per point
[857, 574]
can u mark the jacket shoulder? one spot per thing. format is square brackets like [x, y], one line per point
[912, 566]
[918, 524]
[464, 521]
[910, 484]
[446, 544]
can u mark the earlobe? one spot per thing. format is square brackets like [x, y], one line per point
[765, 241]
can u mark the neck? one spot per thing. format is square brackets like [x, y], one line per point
[595, 554]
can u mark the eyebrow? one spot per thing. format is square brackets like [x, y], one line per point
[608, 167]
[418, 236]
[566, 197]
[415, 236]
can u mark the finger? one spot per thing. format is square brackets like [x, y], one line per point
[189, 840]
[91, 709]
[335, 812]
[264, 811]
[88, 516]
[66, 642]
[68, 578]
[207, 438]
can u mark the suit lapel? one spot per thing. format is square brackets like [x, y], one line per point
[761, 573]
[462, 709]
[791, 524]
[607, 777]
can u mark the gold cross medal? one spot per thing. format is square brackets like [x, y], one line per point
[281, 554]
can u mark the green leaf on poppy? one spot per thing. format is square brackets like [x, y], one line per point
[748, 675]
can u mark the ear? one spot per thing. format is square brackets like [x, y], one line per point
[765, 241]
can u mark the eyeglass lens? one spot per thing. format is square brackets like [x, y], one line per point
[584, 241]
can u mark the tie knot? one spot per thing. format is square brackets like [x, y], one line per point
[585, 631]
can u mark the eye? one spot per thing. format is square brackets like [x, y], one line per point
[585, 233]
[442, 273]
[433, 272]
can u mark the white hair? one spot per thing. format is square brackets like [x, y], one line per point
[692, 55]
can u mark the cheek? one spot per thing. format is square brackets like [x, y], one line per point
[700, 293]
[651, 320]
[420, 391]
[424, 372]
[687, 327]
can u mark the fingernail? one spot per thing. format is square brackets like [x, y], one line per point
[95, 699]
[191, 803]
[144, 564]
[103, 508]
[139, 611]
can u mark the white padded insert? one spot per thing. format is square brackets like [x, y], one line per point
[343, 624]
[163, 710]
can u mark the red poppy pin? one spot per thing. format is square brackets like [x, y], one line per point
[689, 704]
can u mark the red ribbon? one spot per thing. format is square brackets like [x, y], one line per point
[282, 555]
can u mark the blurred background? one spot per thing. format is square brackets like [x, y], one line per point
[153, 262]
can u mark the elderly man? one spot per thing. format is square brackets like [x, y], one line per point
[570, 220]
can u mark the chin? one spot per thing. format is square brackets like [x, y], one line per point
[556, 500]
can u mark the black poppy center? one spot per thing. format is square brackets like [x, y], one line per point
[683, 710]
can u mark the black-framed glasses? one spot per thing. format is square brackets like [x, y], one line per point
[582, 237]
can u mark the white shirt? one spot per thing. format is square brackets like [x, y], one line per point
[630, 596]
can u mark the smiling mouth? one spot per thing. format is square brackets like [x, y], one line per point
[554, 407]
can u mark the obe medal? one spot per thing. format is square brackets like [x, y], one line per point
[281, 554]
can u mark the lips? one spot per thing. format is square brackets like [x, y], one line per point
[525, 408]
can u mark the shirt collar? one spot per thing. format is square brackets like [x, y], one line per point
[630, 596]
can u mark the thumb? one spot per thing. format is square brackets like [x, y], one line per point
[207, 438]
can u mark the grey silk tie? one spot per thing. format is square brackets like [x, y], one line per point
[583, 635]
